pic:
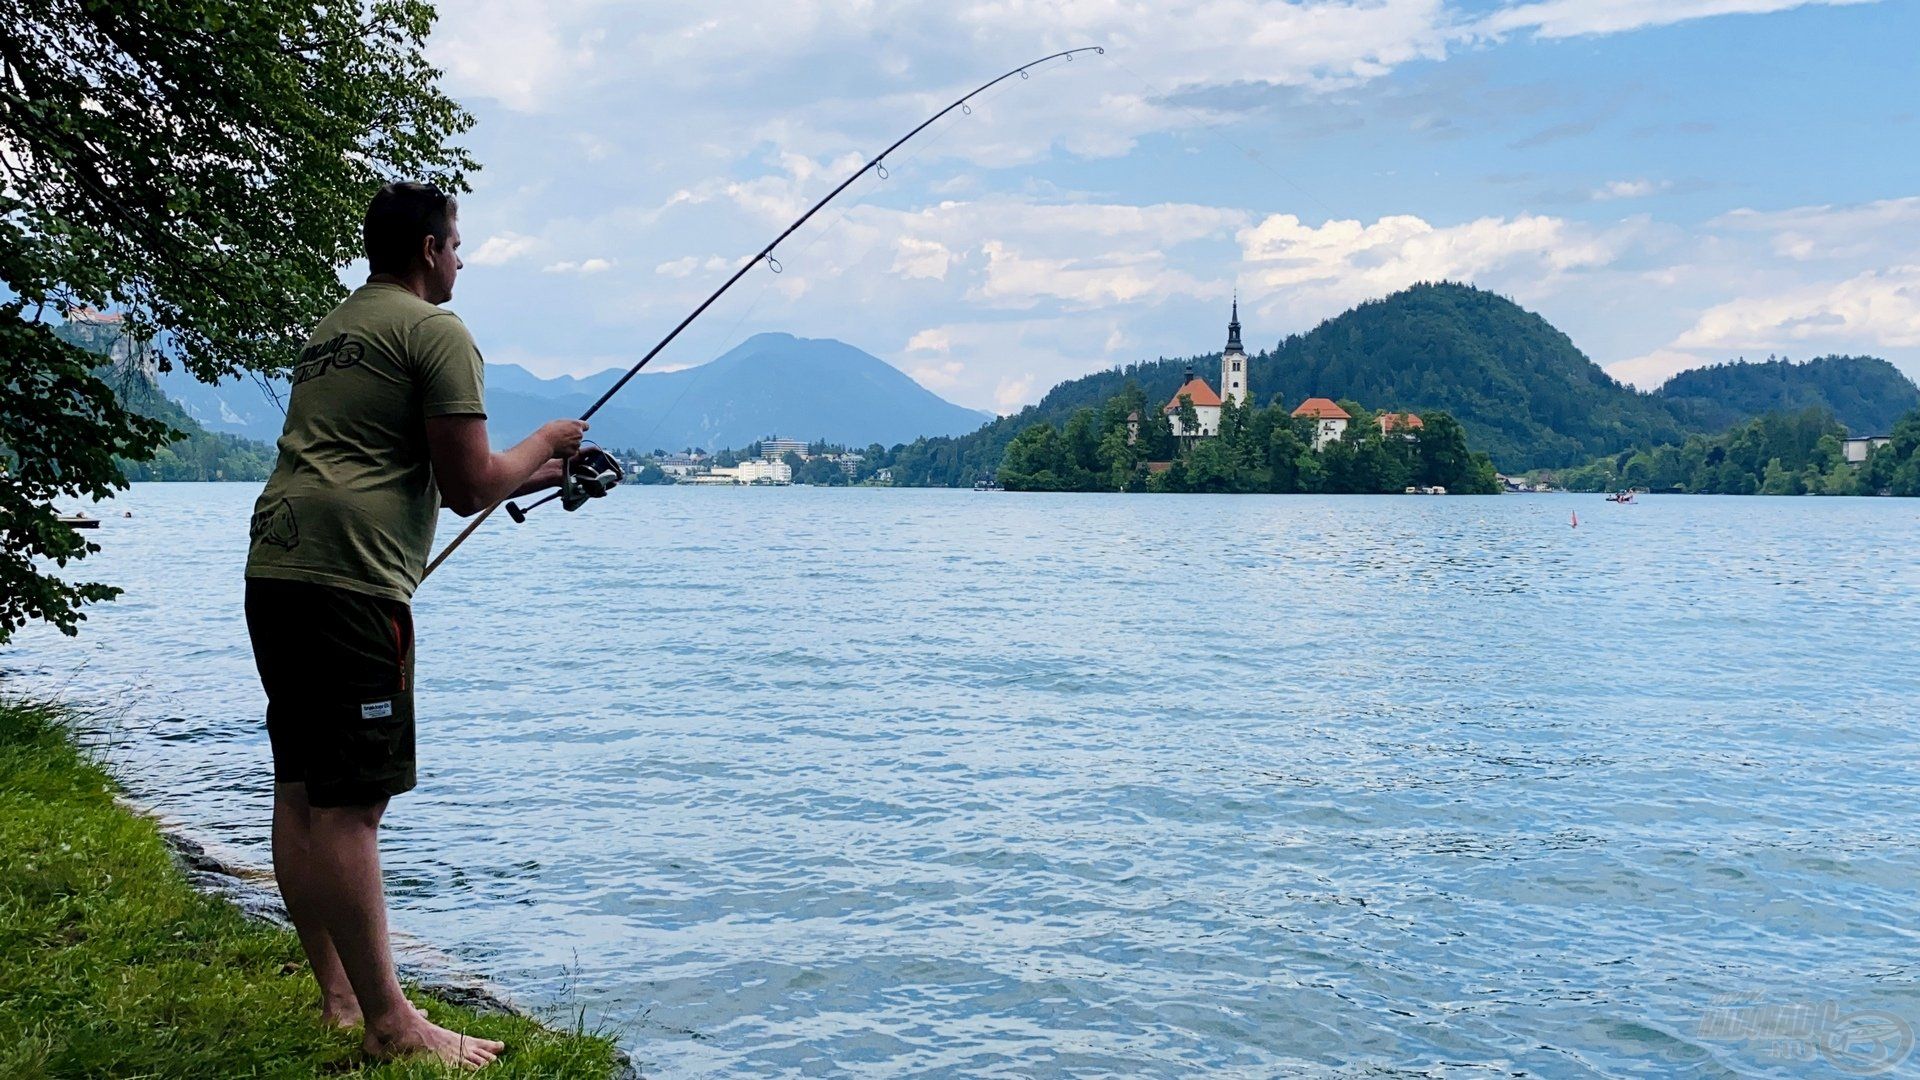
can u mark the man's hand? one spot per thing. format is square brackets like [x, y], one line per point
[563, 435]
[471, 477]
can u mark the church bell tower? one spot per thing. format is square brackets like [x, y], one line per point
[1233, 362]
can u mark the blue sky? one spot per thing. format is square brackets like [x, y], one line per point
[1672, 182]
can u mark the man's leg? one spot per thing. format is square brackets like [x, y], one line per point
[293, 869]
[346, 892]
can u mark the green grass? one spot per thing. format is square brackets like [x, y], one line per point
[112, 965]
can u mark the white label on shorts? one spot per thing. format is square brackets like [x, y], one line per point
[377, 710]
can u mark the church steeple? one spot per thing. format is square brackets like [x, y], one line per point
[1233, 361]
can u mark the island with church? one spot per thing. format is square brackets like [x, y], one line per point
[1200, 439]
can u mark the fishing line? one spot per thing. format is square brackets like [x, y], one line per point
[765, 255]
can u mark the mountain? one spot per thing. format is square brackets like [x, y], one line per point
[236, 406]
[771, 384]
[1865, 393]
[1524, 392]
[198, 454]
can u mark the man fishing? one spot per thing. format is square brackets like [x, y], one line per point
[386, 424]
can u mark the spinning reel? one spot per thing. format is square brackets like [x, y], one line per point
[589, 474]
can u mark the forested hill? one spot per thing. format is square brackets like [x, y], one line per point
[1865, 393]
[1526, 395]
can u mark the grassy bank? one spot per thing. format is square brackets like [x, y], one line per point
[112, 965]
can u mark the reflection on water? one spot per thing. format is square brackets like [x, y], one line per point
[887, 782]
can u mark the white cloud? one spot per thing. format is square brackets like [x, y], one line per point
[1879, 307]
[1011, 394]
[1576, 18]
[501, 249]
[938, 377]
[1346, 261]
[586, 266]
[935, 340]
[1019, 281]
[921, 258]
[1872, 312]
[1656, 367]
[521, 53]
[1629, 189]
[1885, 230]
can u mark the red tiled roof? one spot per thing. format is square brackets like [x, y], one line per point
[85, 314]
[1321, 409]
[1198, 390]
[1157, 467]
[1391, 420]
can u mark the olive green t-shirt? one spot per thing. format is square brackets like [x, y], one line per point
[352, 502]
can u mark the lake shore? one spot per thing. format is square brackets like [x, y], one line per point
[128, 949]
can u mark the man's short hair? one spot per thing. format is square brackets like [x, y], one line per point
[399, 215]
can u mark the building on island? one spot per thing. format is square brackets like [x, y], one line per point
[1207, 403]
[1857, 449]
[1233, 362]
[1404, 423]
[1206, 409]
[1329, 420]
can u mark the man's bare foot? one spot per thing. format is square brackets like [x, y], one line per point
[418, 1035]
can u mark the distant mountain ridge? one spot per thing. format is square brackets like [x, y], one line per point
[770, 384]
[1521, 388]
[1865, 393]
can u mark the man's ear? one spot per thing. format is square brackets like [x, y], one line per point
[429, 248]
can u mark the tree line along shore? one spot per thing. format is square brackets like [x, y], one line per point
[113, 964]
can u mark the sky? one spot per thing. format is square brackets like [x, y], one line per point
[1673, 183]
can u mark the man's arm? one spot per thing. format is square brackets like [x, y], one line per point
[544, 477]
[472, 477]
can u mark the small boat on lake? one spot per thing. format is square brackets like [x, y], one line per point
[987, 483]
[79, 521]
[1620, 497]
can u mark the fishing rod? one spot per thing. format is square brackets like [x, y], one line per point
[590, 475]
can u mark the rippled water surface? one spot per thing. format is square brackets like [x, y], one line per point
[886, 783]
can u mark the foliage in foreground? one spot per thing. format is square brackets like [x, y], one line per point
[1257, 450]
[201, 168]
[1781, 453]
[112, 965]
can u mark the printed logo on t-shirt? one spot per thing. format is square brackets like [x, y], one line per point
[321, 357]
[376, 710]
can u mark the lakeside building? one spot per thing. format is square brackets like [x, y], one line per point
[1405, 423]
[758, 471]
[774, 446]
[1329, 420]
[682, 464]
[1857, 449]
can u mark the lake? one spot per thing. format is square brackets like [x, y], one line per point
[887, 783]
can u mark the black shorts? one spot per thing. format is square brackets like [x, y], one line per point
[338, 669]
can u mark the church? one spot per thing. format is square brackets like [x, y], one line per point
[1206, 402]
